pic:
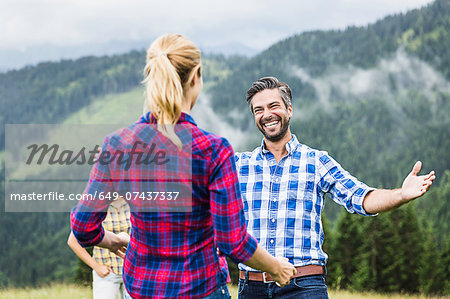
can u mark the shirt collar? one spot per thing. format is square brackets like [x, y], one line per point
[150, 119]
[290, 146]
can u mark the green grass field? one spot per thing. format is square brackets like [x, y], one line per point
[70, 291]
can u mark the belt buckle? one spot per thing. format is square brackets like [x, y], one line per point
[264, 278]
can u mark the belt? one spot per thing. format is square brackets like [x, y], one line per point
[301, 271]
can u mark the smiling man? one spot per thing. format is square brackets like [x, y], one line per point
[283, 184]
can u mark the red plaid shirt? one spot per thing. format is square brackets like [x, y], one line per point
[174, 254]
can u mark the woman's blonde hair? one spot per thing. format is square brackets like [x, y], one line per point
[171, 60]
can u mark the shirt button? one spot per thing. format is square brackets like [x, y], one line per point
[223, 291]
[271, 241]
[273, 220]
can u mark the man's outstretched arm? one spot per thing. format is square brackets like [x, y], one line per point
[413, 187]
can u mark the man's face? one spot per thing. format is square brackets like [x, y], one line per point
[271, 115]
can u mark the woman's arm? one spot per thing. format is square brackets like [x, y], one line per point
[87, 216]
[101, 270]
[228, 218]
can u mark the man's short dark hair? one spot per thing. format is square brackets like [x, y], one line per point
[270, 83]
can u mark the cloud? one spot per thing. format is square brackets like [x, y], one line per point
[256, 24]
[392, 78]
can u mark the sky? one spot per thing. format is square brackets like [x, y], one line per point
[255, 24]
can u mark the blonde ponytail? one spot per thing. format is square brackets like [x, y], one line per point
[170, 62]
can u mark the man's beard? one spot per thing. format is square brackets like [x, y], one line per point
[278, 136]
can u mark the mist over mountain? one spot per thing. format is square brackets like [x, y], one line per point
[422, 34]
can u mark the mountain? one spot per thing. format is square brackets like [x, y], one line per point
[229, 49]
[15, 59]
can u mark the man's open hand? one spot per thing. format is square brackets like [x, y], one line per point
[416, 185]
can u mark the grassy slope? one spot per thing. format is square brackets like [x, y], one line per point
[119, 108]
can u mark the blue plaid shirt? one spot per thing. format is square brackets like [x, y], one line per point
[283, 202]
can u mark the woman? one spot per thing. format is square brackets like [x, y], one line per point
[106, 267]
[174, 254]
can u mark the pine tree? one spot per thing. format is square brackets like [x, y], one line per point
[406, 248]
[390, 255]
[366, 277]
[345, 248]
[327, 248]
[432, 266]
[445, 259]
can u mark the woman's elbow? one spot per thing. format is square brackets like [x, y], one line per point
[71, 239]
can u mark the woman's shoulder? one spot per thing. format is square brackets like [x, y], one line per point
[126, 136]
[204, 141]
[211, 138]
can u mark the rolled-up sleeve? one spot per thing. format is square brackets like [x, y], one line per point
[87, 216]
[345, 189]
[227, 208]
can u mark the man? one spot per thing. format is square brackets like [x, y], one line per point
[283, 183]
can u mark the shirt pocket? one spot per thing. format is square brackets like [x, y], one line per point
[300, 193]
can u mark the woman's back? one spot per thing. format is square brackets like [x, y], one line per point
[174, 253]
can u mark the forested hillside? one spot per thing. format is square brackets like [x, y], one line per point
[377, 98]
[49, 91]
[421, 33]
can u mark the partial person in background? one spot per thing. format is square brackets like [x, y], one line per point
[283, 184]
[173, 254]
[106, 266]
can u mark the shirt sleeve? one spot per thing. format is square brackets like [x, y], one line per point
[87, 216]
[345, 189]
[227, 208]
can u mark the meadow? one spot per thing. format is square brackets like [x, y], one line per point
[71, 291]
